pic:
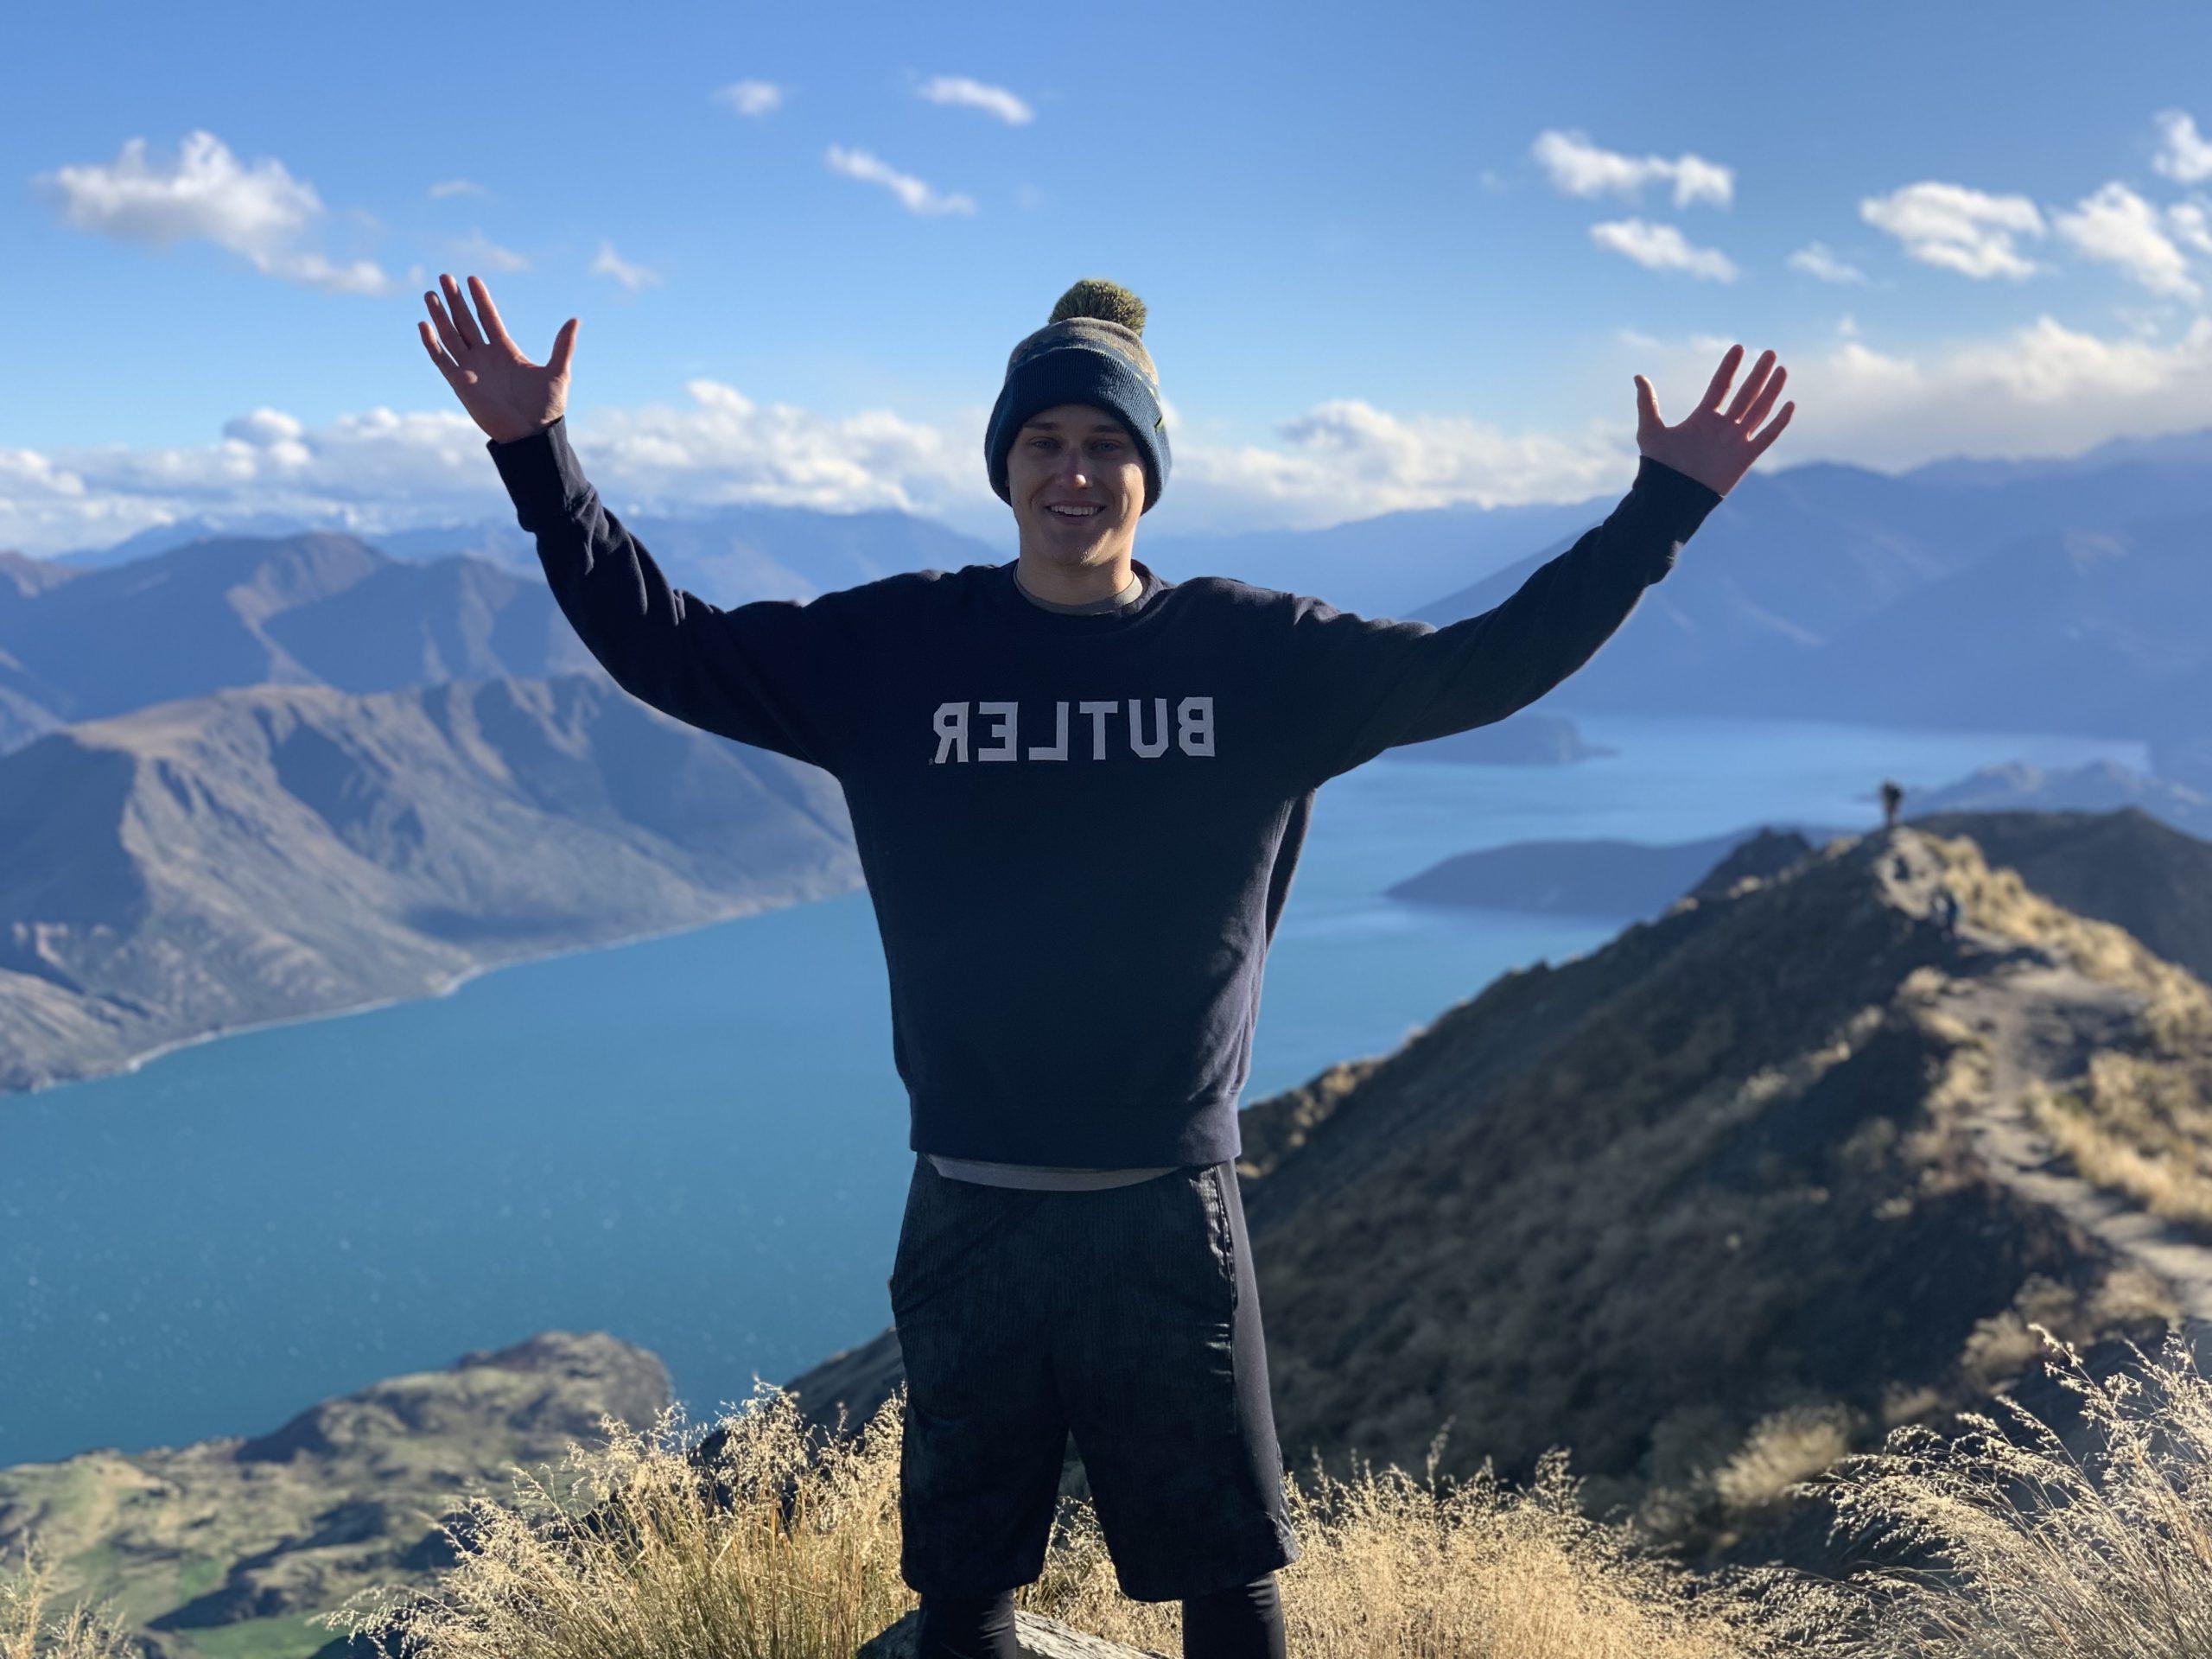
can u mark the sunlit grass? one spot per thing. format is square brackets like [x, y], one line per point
[2046, 1554]
[787, 1547]
[27, 1628]
[804, 1561]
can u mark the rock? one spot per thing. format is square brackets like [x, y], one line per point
[1039, 1638]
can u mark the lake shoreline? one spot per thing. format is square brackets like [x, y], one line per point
[137, 1061]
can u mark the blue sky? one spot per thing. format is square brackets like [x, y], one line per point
[1395, 256]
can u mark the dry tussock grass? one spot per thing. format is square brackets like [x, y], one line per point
[2119, 1566]
[1783, 1448]
[804, 1562]
[2107, 1559]
[28, 1631]
[2137, 1124]
[2032, 1553]
[2000, 1346]
[2140, 1120]
[2179, 1014]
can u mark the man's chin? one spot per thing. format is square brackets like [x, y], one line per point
[1077, 552]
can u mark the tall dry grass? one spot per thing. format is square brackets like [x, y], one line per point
[2040, 1553]
[803, 1563]
[2138, 1124]
[28, 1631]
[787, 1547]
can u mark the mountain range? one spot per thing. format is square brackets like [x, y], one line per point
[292, 710]
[2054, 596]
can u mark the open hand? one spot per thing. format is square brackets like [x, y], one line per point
[1714, 448]
[504, 393]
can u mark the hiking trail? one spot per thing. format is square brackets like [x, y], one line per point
[2042, 1019]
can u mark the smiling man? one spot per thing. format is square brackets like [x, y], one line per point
[1079, 791]
[1079, 488]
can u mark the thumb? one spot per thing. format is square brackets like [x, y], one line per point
[564, 346]
[1647, 407]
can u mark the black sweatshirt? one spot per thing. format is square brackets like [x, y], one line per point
[1077, 831]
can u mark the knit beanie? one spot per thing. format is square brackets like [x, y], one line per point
[1090, 350]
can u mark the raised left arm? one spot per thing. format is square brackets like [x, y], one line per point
[1357, 685]
[1360, 685]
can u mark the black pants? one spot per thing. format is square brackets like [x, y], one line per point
[1127, 1316]
[1242, 1622]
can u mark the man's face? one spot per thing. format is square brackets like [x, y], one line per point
[1075, 456]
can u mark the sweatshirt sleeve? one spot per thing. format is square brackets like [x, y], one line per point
[1359, 685]
[766, 673]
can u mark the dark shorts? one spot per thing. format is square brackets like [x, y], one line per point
[1126, 1315]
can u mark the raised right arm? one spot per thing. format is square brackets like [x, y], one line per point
[765, 673]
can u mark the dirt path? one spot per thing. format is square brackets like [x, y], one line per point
[2043, 1019]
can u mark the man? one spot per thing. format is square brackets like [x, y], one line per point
[1079, 791]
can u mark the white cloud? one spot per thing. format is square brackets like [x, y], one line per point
[1815, 260]
[2183, 157]
[205, 195]
[1661, 247]
[1960, 229]
[913, 192]
[445, 188]
[2040, 389]
[477, 252]
[264, 427]
[1346, 459]
[2190, 222]
[994, 101]
[2147, 321]
[750, 97]
[744, 451]
[606, 262]
[382, 470]
[2118, 227]
[1579, 168]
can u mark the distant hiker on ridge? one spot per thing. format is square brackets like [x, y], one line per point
[1944, 909]
[1891, 796]
[1079, 789]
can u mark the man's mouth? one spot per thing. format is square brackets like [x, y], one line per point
[1074, 512]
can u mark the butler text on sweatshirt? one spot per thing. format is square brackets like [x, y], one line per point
[1078, 831]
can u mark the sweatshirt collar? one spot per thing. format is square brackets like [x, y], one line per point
[1131, 590]
[1008, 597]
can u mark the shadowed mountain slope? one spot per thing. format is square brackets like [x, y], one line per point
[276, 851]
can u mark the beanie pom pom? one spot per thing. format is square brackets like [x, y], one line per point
[1108, 301]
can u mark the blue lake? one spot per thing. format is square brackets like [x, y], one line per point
[698, 1142]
